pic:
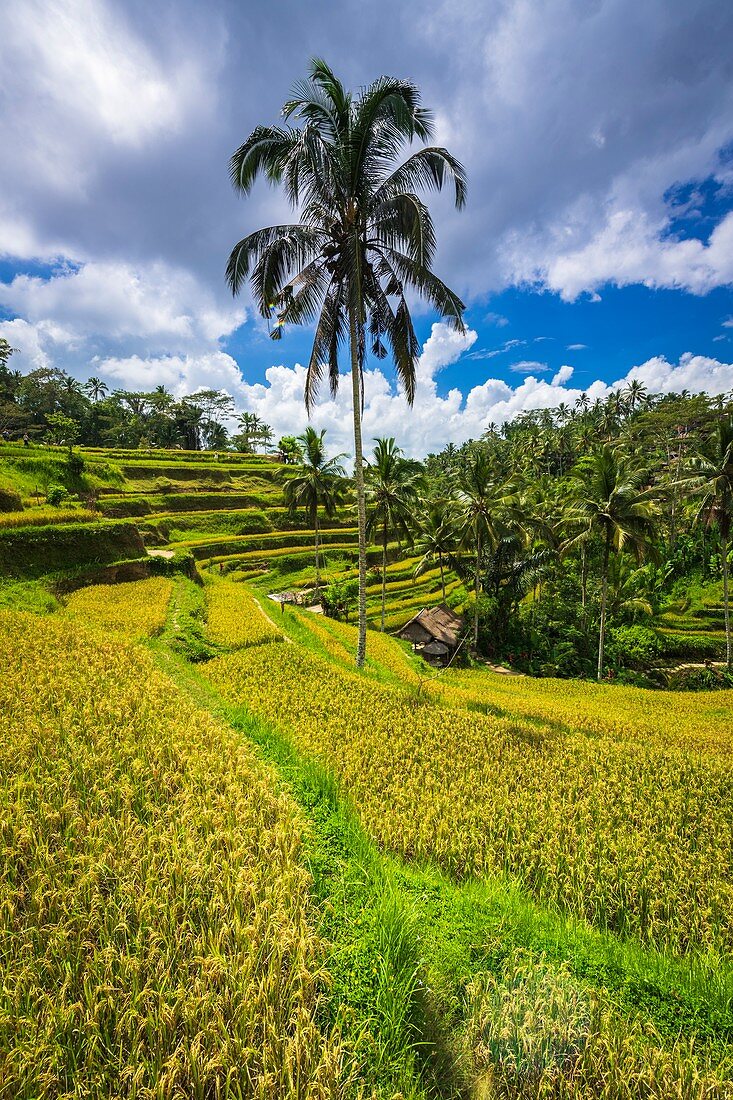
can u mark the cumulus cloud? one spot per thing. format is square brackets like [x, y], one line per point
[437, 419]
[145, 310]
[563, 375]
[628, 248]
[121, 119]
[434, 420]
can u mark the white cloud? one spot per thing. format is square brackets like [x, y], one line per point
[529, 366]
[576, 347]
[563, 375]
[491, 353]
[149, 310]
[627, 248]
[496, 319]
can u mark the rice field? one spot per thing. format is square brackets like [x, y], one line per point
[155, 924]
[634, 835]
[136, 609]
[234, 617]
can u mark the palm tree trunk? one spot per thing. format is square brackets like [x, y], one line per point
[318, 560]
[477, 589]
[384, 567]
[726, 604]
[604, 598]
[359, 479]
[442, 577]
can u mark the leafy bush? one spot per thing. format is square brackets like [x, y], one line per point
[56, 495]
[10, 500]
[635, 647]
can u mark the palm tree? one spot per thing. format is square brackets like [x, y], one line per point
[95, 388]
[364, 239]
[484, 499]
[436, 538]
[635, 394]
[714, 469]
[391, 495]
[611, 499]
[319, 483]
[250, 425]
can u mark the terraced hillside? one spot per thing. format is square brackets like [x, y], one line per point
[225, 511]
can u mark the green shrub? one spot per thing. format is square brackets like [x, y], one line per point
[635, 647]
[56, 495]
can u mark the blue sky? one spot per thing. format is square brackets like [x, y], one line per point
[596, 245]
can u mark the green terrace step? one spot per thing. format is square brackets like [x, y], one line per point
[298, 553]
[303, 555]
[684, 625]
[429, 595]
[175, 505]
[224, 522]
[160, 454]
[702, 646]
[216, 546]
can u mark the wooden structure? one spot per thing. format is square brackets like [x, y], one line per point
[435, 633]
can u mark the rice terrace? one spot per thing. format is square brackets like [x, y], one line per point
[340, 761]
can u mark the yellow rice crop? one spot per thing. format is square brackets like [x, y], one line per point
[137, 608]
[694, 721]
[340, 639]
[40, 517]
[636, 835]
[154, 915]
[235, 619]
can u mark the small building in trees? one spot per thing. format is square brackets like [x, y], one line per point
[435, 633]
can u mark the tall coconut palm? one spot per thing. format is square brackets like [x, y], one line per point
[611, 500]
[391, 496]
[436, 537]
[95, 388]
[714, 477]
[486, 503]
[318, 483]
[363, 242]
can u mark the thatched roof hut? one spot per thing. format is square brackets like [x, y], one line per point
[434, 632]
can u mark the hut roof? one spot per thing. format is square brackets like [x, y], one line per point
[442, 624]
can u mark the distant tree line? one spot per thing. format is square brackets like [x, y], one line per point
[49, 405]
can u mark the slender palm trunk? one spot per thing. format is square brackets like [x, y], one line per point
[318, 556]
[477, 589]
[442, 576]
[726, 605]
[583, 576]
[384, 567]
[359, 479]
[604, 600]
